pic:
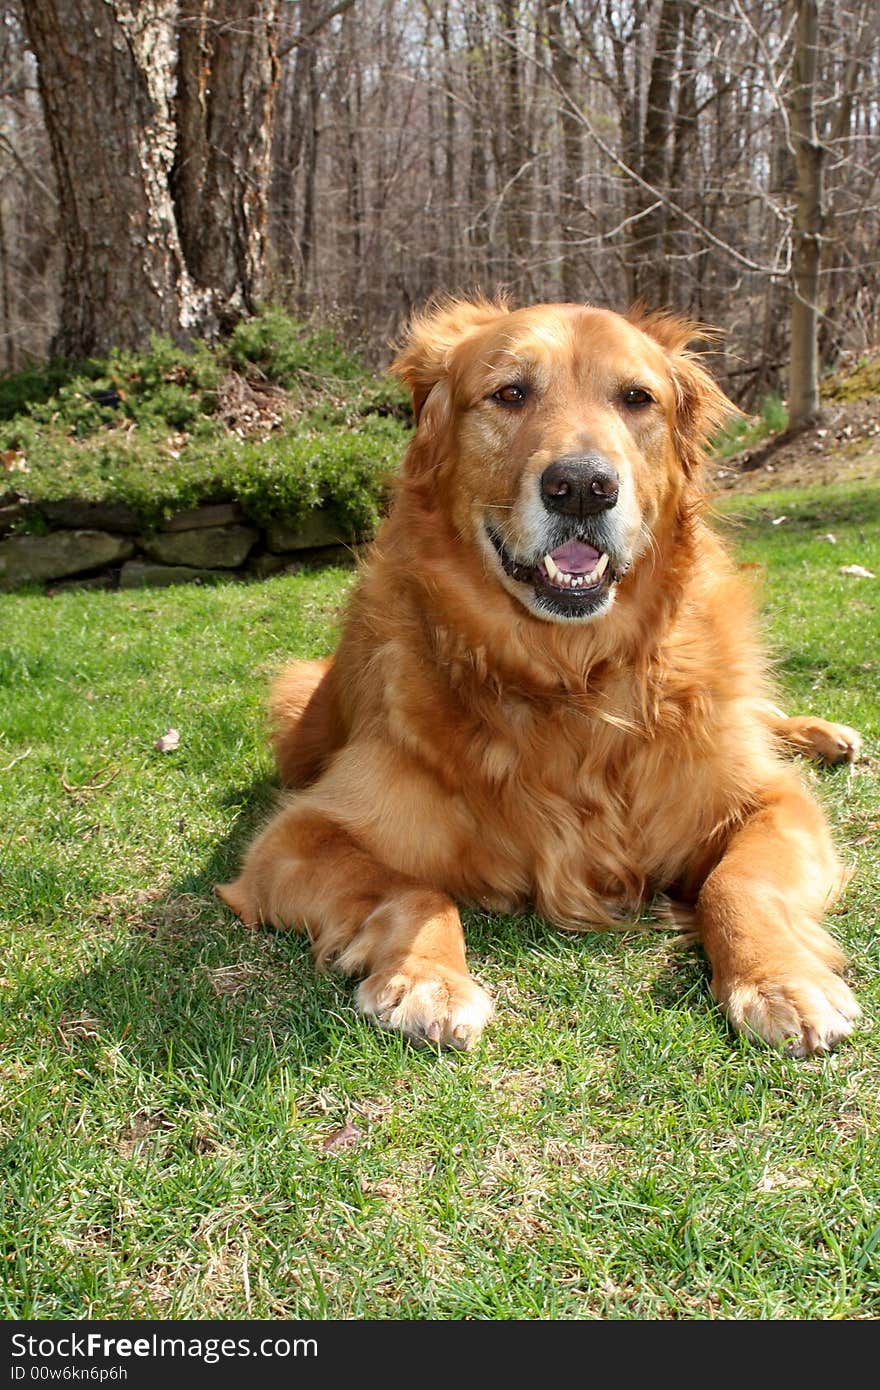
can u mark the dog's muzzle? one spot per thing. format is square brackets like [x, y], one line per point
[572, 581]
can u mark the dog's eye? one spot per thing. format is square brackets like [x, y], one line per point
[514, 394]
[636, 396]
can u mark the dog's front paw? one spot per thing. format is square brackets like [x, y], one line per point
[427, 1003]
[827, 742]
[809, 1010]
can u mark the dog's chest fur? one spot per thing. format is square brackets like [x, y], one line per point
[563, 793]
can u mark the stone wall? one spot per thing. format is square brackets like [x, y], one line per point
[105, 545]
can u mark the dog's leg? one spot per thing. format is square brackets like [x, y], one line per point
[813, 738]
[403, 937]
[775, 970]
[306, 725]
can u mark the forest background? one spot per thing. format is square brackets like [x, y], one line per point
[166, 166]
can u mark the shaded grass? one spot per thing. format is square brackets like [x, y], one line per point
[170, 1081]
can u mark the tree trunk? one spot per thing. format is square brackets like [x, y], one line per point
[684, 144]
[514, 175]
[162, 212]
[5, 311]
[478, 96]
[105, 69]
[353, 198]
[803, 402]
[310, 162]
[292, 123]
[627, 93]
[227, 73]
[449, 151]
[564, 68]
[651, 268]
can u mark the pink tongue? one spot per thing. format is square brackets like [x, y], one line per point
[575, 557]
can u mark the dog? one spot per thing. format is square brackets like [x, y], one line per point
[550, 692]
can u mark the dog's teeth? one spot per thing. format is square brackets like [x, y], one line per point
[564, 580]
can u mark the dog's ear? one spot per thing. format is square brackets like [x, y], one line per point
[423, 359]
[701, 405]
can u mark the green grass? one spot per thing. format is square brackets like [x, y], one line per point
[170, 1080]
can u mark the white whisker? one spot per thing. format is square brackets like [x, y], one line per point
[649, 537]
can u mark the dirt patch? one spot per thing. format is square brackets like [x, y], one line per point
[843, 447]
[251, 408]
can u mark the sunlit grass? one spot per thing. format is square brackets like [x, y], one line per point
[170, 1081]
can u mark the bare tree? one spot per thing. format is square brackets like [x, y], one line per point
[803, 398]
[29, 256]
[719, 158]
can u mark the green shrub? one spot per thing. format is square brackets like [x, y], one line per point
[165, 385]
[145, 428]
[289, 353]
[288, 474]
[30, 387]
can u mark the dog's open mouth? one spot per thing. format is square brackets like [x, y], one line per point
[571, 581]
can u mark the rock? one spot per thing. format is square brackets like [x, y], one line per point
[215, 547]
[35, 559]
[10, 515]
[91, 581]
[265, 565]
[72, 513]
[316, 529]
[220, 514]
[138, 574]
[342, 555]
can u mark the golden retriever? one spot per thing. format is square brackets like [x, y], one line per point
[550, 691]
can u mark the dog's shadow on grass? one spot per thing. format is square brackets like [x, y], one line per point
[181, 977]
[645, 953]
[183, 981]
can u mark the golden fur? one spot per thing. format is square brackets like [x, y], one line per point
[481, 737]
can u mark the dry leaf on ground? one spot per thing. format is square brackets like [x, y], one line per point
[342, 1138]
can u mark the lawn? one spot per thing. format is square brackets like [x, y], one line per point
[194, 1124]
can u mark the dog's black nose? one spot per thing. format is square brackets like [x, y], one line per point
[580, 485]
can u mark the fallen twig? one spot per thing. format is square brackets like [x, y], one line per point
[92, 785]
[21, 757]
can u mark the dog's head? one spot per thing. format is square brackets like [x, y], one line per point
[559, 438]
